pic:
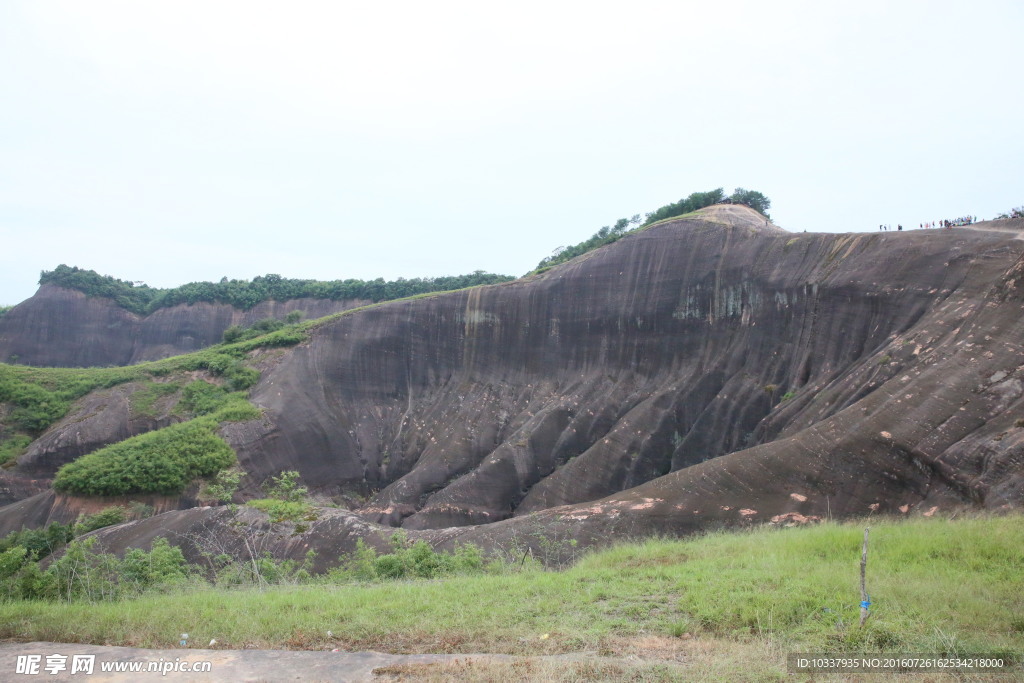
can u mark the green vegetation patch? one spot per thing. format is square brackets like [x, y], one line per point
[937, 586]
[287, 501]
[410, 561]
[283, 510]
[4, 310]
[164, 462]
[41, 396]
[36, 398]
[237, 333]
[244, 294]
[12, 447]
[145, 399]
[84, 574]
[106, 517]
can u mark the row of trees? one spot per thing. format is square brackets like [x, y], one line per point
[244, 294]
[697, 200]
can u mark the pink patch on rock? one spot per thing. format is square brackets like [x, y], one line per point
[747, 512]
[931, 511]
[797, 497]
[794, 519]
[904, 508]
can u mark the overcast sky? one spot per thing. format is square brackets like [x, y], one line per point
[179, 141]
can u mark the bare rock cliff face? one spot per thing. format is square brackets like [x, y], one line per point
[642, 363]
[60, 327]
[709, 371]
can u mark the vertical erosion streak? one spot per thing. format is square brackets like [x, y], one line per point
[397, 441]
[470, 317]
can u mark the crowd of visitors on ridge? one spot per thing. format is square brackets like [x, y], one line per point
[946, 223]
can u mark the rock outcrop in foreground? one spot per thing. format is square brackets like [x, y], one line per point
[709, 371]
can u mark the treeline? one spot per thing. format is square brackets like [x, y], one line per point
[697, 200]
[4, 309]
[245, 294]
[1016, 212]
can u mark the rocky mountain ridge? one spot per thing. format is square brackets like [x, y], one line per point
[710, 370]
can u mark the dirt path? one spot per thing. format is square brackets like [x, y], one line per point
[987, 226]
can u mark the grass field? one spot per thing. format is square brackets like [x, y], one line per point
[736, 601]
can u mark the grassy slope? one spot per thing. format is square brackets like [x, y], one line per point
[937, 586]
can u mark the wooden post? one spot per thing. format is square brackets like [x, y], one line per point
[865, 602]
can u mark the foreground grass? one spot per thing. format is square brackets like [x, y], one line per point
[937, 586]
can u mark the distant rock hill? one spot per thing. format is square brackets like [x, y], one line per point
[711, 370]
[60, 327]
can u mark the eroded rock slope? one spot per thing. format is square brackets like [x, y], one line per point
[660, 353]
[710, 370]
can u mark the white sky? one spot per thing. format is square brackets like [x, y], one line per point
[178, 141]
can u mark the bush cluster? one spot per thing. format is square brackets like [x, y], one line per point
[286, 501]
[237, 333]
[202, 398]
[83, 573]
[163, 462]
[408, 561]
[144, 399]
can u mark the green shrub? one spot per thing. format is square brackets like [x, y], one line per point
[38, 543]
[285, 486]
[163, 461]
[282, 510]
[163, 564]
[237, 333]
[12, 447]
[226, 362]
[262, 570]
[139, 510]
[237, 410]
[107, 517]
[406, 561]
[201, 397]
[223, 487]
[143, 400]
[38, 397]
[82, 573]
[11, 560]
